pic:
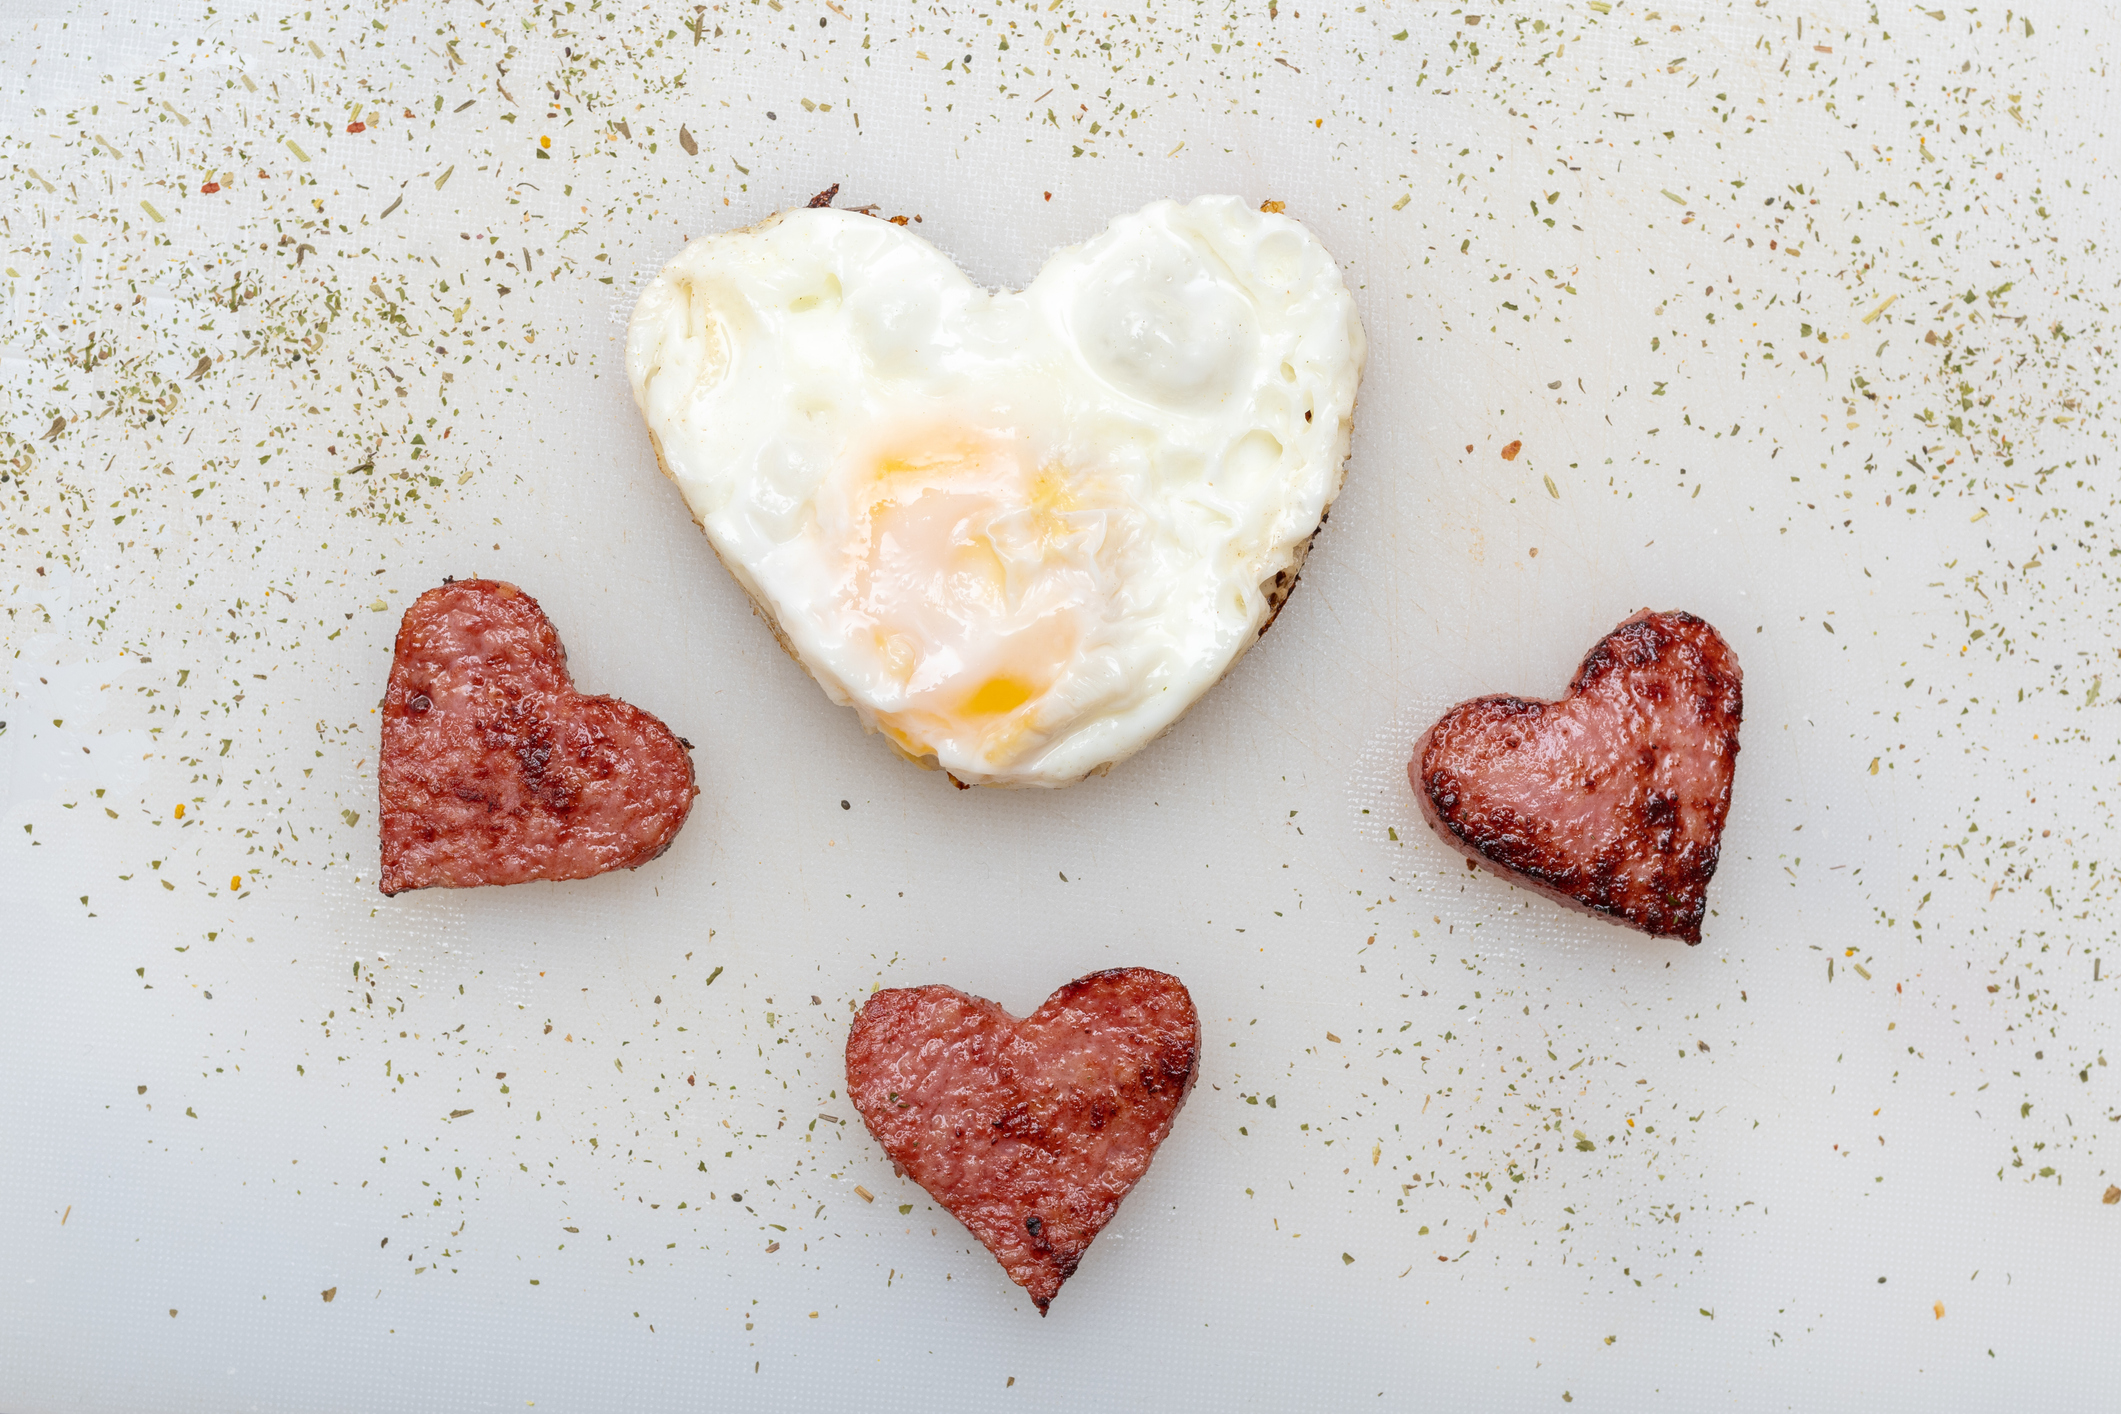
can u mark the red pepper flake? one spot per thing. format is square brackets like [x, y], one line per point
[209, 189]
[1509, 453]
[357, 127]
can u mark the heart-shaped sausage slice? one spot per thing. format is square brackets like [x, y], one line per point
[1612, 799]
[1029, 1132]
[495, 770]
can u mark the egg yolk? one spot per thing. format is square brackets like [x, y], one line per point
[998, 695]
[974, 572]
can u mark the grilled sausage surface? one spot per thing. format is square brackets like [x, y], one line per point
[1612, 799]
[1030, 1132]
[495, 770]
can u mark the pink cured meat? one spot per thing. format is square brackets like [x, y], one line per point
[1030, 1132]
[1612, 799]
[494, 770]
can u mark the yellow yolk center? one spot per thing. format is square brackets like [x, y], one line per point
[998, 695]
[962, 571]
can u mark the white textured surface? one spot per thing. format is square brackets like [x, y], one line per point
[1843, 1155]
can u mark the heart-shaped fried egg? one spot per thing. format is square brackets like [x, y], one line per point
[1020, 533]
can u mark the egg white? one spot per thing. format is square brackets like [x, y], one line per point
[1019, 532]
